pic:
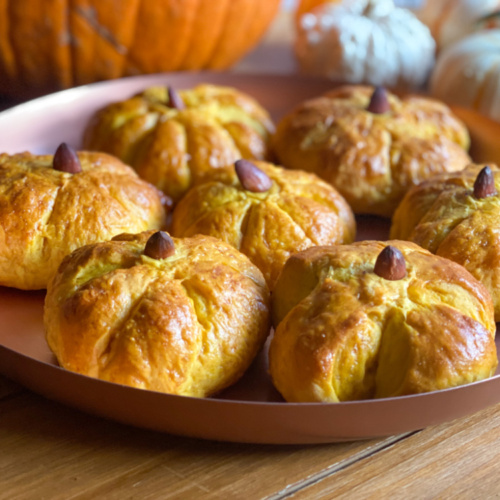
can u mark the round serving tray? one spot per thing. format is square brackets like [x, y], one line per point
[251, 411]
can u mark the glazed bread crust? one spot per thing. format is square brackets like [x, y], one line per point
[443, 216]
[297, 212]
[189, 324]
[176, 149]
[372, 159]
[45, 214]
[345, 333]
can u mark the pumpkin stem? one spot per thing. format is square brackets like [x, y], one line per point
[379, 103]
[390, 264]
[484, 185]
[66, 160]
[251, 177]
[174, 99]
[159, 246]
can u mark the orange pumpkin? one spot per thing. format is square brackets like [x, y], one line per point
[47, 45]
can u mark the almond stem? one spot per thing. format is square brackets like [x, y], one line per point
[159, 246]
[66, 160]
[379, 103]
[390, 264]
[484, 185]
[174, 99]
[251, 177]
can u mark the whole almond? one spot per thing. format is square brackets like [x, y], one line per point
[174, 99]
[390, 264]
[484, 185]
[66, 160]
[159, 246]
[251, 177]
[379, 103]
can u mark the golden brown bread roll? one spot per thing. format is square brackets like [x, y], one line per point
[292, 211]
[372, 146]
[46, 213]
[181, 316]
[447, 216]
[377, 319]
[180, 142]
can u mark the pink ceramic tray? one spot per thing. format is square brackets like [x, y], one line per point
[252, 411]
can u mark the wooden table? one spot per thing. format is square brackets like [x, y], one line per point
[49, 451]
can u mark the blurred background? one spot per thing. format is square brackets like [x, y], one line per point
[275, 52]
[448, 48]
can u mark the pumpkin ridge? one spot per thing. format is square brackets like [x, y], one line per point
[111, 336]
[205, 213]
[127, 63]
[72, 43]
[44, 47]
[101, 40]
[288, 210]
[143, 136]
[191, 148]
[135, 17]
[187, 36]
[98, 28]
[246, 35]
[443, 16]
[161, 176]
[152, 41]
[131, 67]
[202, 41]
[484, 84]
[466, 73]
[225, 49]
[220, 36]
[230, 134]
[188, 144]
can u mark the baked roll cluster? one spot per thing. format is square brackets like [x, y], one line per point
[268, 214]
[186, 313]
[181, 316]
[377, 319]
[372, 145]
[178, 140]
[457, 216]
[52, 205]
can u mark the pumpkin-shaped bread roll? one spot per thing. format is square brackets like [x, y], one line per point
[378, 319]
[177, 140]
[372, 145]
[457, 216]
[181, 316]
[268, 213]
[51, 205]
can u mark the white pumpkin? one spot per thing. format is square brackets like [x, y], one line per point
[467, 73]
[451, 20]
[365, 41]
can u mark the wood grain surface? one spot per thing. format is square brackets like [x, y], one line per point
[51, 451]
[455, 460]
